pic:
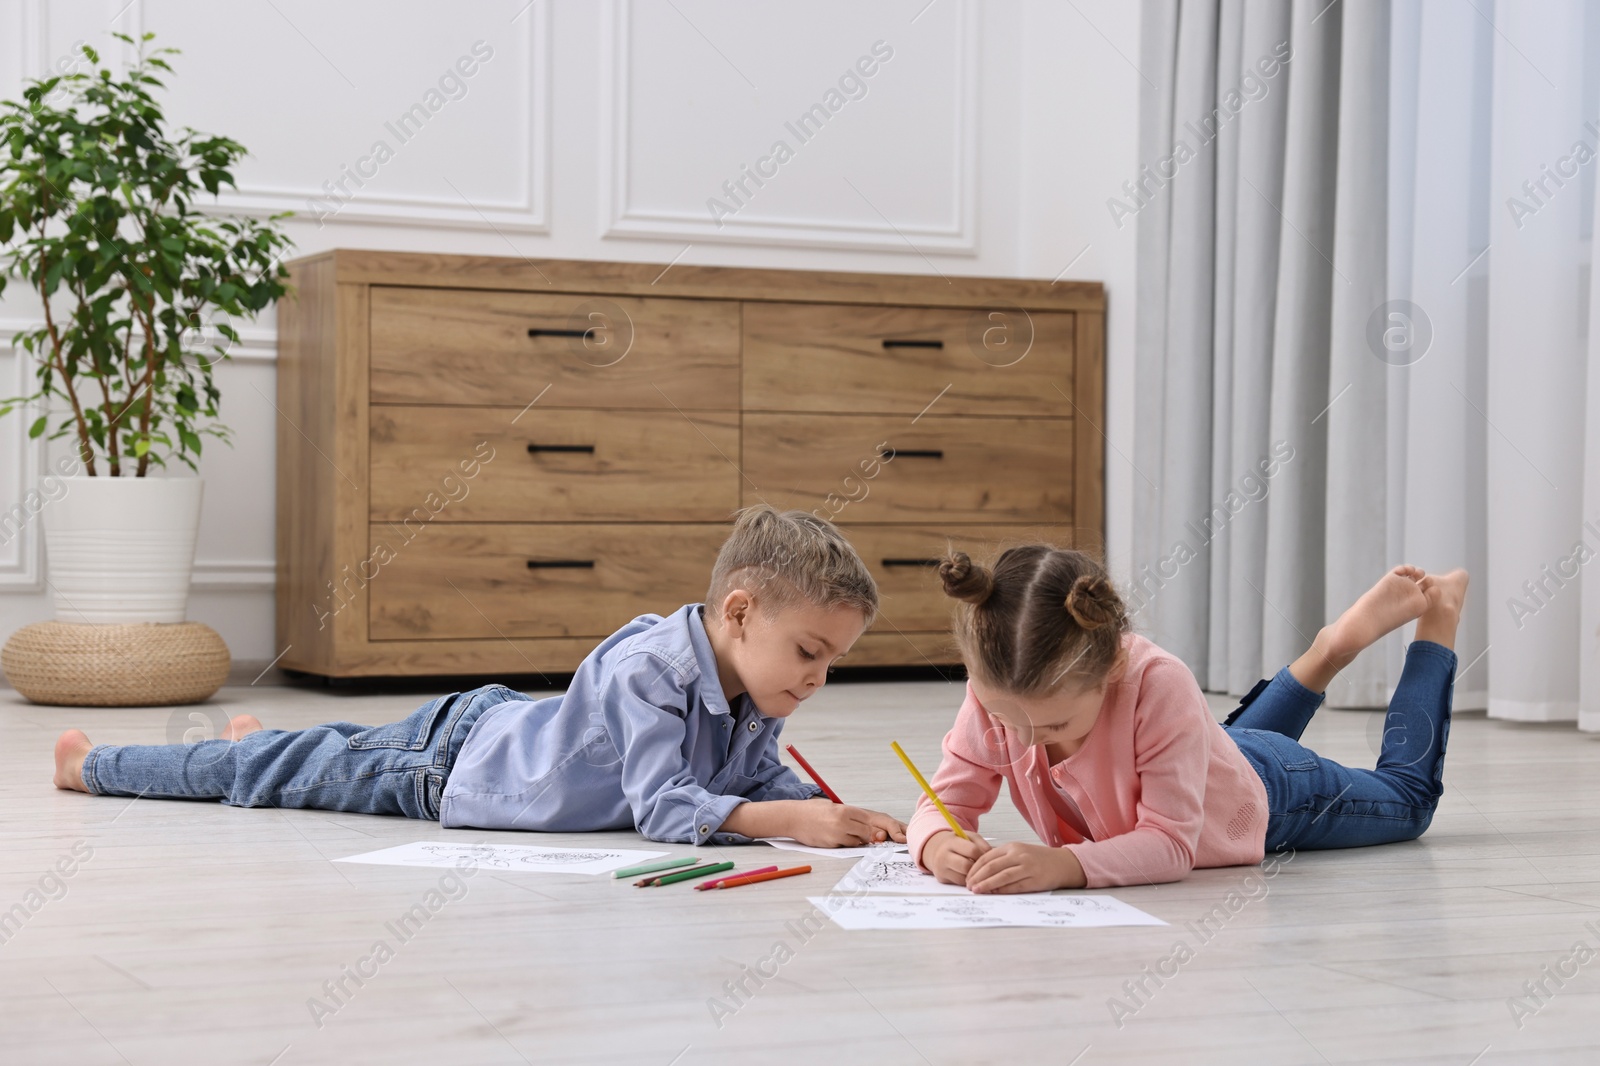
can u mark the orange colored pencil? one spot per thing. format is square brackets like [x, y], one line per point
[750, 879]
[715, 881]
[801, 759]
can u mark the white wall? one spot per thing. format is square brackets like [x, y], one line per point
[987, 144]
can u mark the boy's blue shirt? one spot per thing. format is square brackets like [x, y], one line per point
[643, 737]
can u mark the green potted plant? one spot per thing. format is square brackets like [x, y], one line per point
[138, 290]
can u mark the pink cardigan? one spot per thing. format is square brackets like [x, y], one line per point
[1162, 789]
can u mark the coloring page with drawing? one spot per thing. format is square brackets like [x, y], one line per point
[512, 858]
[981, 912]
[896, 872]
[789, 844]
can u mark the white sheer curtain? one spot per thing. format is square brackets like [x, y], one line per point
[1365, 335]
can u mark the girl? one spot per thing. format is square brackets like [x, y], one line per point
[1112, 754]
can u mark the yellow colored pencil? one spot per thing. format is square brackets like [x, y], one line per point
[927, 788]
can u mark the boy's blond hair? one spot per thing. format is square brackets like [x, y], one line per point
[785, 557]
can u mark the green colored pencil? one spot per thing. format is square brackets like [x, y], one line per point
[655, 879]
[652, 867]
[689, 875]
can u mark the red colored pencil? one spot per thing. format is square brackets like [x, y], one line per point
[715, 881]
[750, 879]
[801, 759]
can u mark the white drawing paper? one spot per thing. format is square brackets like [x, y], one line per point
[512, 858]
[790, 844]
[980, 912]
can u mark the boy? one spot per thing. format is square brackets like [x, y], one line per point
[670, 726]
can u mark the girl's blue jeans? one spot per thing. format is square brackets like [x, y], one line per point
[400, 768]
[1317, 803]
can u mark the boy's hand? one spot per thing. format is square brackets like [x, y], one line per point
[822, 823]
[1017, 867]
[949, 858]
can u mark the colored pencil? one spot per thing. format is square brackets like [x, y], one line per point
[801, 759]
[686, 875]
[652, 867]
[750, 879]
[651, 879]
[928, 789]
[715, 881]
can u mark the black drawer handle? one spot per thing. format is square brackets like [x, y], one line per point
[911, 562]
[914, 453]
[586, 449]
[560, 332]
[912, 344]
[560, 564]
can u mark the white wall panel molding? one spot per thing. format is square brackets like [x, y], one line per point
[877, 225]
[526, 212]
[22, 459]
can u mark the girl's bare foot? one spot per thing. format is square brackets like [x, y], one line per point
[1396, 599]
[240, 725]
[1446, 594]
[71, 747]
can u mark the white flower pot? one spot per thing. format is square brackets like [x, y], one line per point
[121, 549]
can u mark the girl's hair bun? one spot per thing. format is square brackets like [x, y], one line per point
[964, 579]
[1093, 601]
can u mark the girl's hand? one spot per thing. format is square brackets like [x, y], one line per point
[823, 823]
[1017, 867]
[949, 858]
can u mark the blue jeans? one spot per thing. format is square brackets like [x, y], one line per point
[1317, 803]
[399, 768]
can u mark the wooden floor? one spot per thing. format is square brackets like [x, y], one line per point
[197, 933]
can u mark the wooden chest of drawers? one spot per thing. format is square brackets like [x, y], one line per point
[485, 465]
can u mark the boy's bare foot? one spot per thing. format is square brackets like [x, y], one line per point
[240, 725]
[1446, 594]
[71, 747]
[1396, 599]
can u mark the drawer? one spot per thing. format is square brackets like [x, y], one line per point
[476, 581]
[502, 464]
[940, 469]
[904, 561]
[461, 346]
[897, 360]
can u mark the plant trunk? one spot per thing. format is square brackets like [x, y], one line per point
[147, 389]
[85, 445]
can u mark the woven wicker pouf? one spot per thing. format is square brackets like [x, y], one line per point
[146, 665]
